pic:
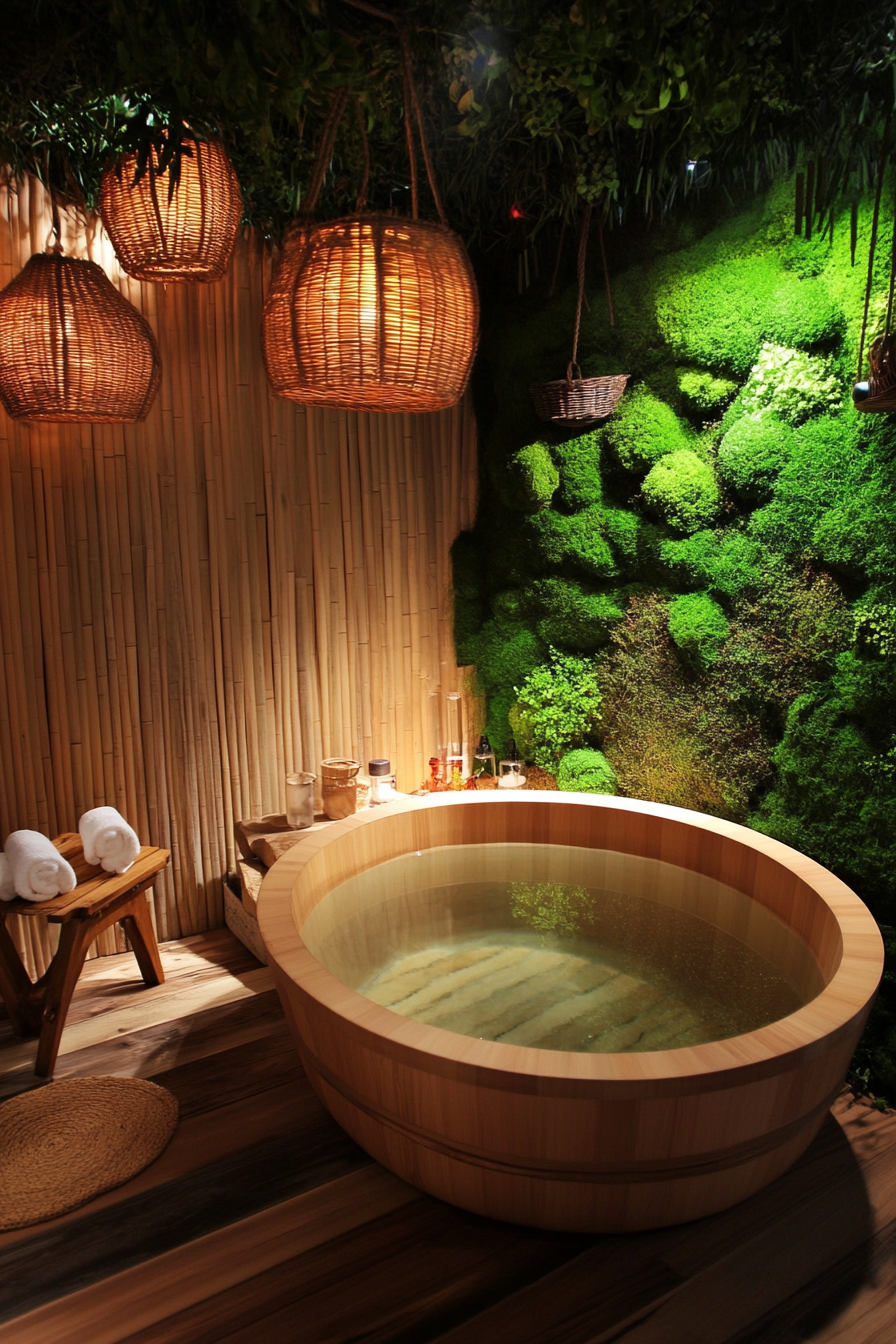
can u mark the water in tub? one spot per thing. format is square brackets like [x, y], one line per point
[562, 948]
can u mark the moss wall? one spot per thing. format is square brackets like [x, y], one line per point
[719, 558]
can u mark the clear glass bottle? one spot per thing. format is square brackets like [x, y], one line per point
[382, 782]
[454, 763]
[510, 772]
[484, 768]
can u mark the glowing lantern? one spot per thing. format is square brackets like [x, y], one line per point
[184, 233]
[72, 348]
[373, 313]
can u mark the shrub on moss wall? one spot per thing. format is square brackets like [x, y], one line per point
[682, 489]
[752, 453]
[792, 384]
[557, 706]
[699, 628]
[644, 429]
[586, 771]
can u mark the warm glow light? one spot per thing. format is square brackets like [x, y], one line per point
[72, 348]
[372, 313]
[182, 235]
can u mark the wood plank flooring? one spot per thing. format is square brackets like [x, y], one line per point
[264, 1221]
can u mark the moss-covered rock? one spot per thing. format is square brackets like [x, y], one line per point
[575, 541]
[504, 653]
[699, 628]
[752, 453]
[470, 603]
[703, 393]
[644, 429]
[586, 771]
[528, 479]
[579, 463]
[682, 489]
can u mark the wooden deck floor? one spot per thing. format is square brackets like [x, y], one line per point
[263, 1221]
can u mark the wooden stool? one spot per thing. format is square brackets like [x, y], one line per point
[38, 1008]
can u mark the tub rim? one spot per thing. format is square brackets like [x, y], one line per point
[768, 1050]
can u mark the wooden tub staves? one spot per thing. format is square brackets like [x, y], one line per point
[574, 1141]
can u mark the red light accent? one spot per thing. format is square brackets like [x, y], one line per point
[516, 211]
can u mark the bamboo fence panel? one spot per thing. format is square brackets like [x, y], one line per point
[237, 587]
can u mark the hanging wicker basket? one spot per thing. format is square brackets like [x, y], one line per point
[185, 233]
[578, 401]
[372, 313]
[574, 400]
[879, 393]
[72, 348]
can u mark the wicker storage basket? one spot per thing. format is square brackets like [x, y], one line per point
[577, 401]
[72, 347]
[184, 234]
[339, 787]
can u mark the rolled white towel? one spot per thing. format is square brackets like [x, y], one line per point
[108, 839]
[7, 889]
[38, 870]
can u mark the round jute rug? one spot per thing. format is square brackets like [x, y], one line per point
[66, 1143]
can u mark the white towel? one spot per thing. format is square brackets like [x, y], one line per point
[7, 889]
[108, 839]
[38, 869]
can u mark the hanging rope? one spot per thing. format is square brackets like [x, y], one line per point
[409, 134]
[325, 151]
[603, 254]
[361, 203]
[583, 249]
[874, 220]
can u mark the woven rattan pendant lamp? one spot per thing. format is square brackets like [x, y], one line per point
[71, 347]
[181, 230]
[372, 312]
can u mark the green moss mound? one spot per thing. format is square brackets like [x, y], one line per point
[578, 461]
[699, 628]
[576, 541]
[586, 771]
[718, 316]
[752, 453]
[572, 615]
[682, 489]
[644, 429]
[702, 393]
[728, 563]
[529, 479]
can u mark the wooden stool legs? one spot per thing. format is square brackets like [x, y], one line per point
[40, 1008]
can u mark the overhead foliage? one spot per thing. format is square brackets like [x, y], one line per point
[526, 101]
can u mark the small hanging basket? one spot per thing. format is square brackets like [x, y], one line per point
[577, 401]
[879, 393]
[574, 400]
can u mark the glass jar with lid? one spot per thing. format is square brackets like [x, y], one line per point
[382, 781]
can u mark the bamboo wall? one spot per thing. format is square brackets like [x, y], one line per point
[236, 587]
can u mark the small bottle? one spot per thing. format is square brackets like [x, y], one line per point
[484, 770]
[382, 782]
[511, 771]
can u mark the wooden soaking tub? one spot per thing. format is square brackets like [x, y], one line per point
[578, 1141]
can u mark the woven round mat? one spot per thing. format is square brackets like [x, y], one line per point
[66, 1143]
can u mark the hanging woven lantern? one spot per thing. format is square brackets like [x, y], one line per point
[183, 234]
[372, 313]
[72, 348]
